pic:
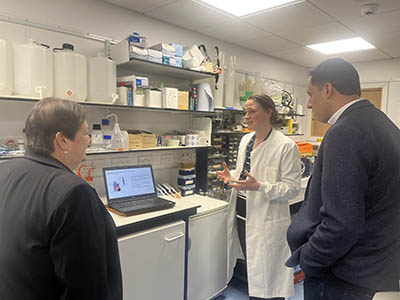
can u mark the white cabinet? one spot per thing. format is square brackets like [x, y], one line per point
[153, 263]
[207, 255]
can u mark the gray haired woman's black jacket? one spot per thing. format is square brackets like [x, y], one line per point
[57, 240]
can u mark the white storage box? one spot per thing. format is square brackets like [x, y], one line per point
[170, 98]
[138, 52]
[153, 98]
[155, 56]
[139, 100]
[168, 49]
[122, 52]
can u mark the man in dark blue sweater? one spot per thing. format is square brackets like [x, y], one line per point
[346, 236]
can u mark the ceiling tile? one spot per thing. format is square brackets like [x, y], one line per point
[189, 15]
[140, 5]
[387, 42]
[283, 19]
[348, 9]
[233, 31]
[268, 43]
[300, 56]
[360, 56]
[382, 23]
[318, 34]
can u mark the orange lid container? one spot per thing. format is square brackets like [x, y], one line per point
[305, 148]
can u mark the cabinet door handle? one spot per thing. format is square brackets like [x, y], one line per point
[180, 235]
[240, 217]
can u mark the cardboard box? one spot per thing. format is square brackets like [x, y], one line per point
[142, 140]
[183, 100]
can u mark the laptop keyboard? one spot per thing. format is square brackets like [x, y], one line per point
[133, 203]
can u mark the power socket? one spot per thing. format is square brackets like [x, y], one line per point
[145, 160]
[167, 159]
[120, 161]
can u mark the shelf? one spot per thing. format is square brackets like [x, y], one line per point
[146, 149]
[91, 152]
[229, 132]
[124, 107]
[237, 111]
[135, 66]
[294, 134]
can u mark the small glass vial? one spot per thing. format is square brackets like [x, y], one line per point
[107, 142]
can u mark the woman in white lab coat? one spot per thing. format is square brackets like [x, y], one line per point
[268, 174]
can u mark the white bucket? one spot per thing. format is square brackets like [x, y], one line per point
[6, 68]
[102, 80]
[33, 70]
[70, 74]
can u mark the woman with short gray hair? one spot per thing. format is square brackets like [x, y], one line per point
[58, 240]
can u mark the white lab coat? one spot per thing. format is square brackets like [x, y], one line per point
[275, 163]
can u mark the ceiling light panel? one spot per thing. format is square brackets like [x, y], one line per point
[241, 8]
[342, 46]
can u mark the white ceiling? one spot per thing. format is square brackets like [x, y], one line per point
[284, 32]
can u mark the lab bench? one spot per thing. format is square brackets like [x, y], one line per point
[182, 249]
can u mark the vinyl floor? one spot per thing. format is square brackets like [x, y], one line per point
[237, 290]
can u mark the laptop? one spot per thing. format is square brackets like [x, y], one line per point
[131, 190]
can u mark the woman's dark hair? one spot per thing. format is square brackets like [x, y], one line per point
[48, 117]
[341, 74]
[268, 104]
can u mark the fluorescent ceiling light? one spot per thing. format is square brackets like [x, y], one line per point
[241, 8]
[348, 45]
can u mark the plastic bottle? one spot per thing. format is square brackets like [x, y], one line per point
[116, 142]
[97, 136]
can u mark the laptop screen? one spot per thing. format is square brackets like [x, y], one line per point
[129, 182]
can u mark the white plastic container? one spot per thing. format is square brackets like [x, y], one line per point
[33, 70]
[70, 74]
[139, 100]
[6, 68]
[116, 142]
[170, 98]
[102, 80]
[153, 98]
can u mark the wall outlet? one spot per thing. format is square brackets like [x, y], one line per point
[120, 161]
[167, 159]
[145, 160]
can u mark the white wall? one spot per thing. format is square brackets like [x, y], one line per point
[385, 74]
